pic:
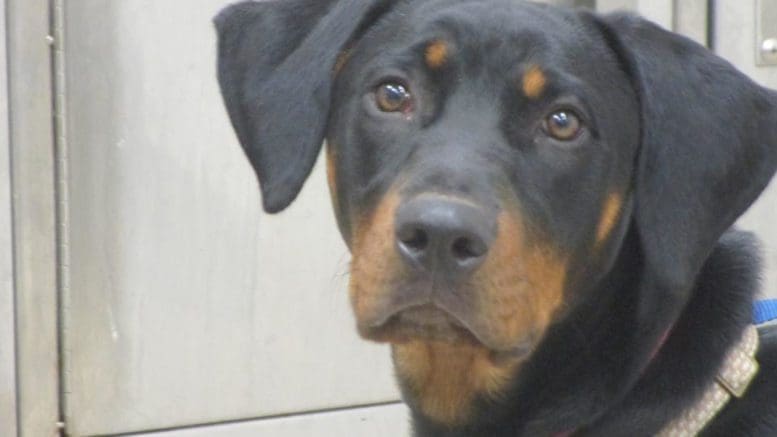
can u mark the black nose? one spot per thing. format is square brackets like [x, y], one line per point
[444, 233]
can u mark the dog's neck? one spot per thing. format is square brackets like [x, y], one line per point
[595, 387]
[688, 362]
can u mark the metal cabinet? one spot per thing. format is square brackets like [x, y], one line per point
[33, 355]
[183, 304]
[148, 292]
[7, 363]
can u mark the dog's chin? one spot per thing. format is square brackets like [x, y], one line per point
[430, 323]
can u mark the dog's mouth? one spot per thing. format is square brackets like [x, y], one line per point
[431, 323]
[427, 321]
[428, 286]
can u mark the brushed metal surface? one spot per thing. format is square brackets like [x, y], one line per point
[378, 421]
[766, 32]
[606, 6]
[7, 331]
[34, 212]
[734, 32]
[185, 304]
[690, 19]
[382, 421]
[660, 11]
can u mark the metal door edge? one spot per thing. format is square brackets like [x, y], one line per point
[34, 216]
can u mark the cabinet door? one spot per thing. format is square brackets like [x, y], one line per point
[7, 358]
[183, 303]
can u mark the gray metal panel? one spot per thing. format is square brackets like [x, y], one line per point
[383, 421]
[7, 352]
[766, 36]
[606, 6]
[690, 19]
[184, 304]
[34, 210]
[736, 40]
[671, 14]
[659, 11]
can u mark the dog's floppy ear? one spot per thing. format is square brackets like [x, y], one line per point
[709, 145]
[275, 63]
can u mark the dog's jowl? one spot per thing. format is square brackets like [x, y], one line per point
[538, 202]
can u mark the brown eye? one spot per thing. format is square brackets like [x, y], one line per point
[563, 125]
[393, 97]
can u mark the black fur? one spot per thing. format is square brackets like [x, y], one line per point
[691, 141]
[269, 51]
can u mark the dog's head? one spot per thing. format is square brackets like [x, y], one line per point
[488, 158]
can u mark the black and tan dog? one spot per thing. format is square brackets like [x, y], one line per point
[537, 201]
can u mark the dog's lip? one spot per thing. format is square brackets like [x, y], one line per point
[427, 314]
[517, 353]
[421, 314]
[432, 316]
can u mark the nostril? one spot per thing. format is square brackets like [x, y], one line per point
[465, 249]
[415, 239]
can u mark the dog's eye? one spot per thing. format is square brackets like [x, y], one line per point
[563, 125]
[393, 97]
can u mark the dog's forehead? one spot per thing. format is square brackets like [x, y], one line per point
[496, 33]
[502, 17]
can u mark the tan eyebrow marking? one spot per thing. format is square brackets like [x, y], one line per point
[436, 54]
[534, 81]
[342, 59]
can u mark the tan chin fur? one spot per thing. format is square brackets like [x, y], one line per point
[445, 379]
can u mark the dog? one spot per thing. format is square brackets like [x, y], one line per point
[538, 201]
